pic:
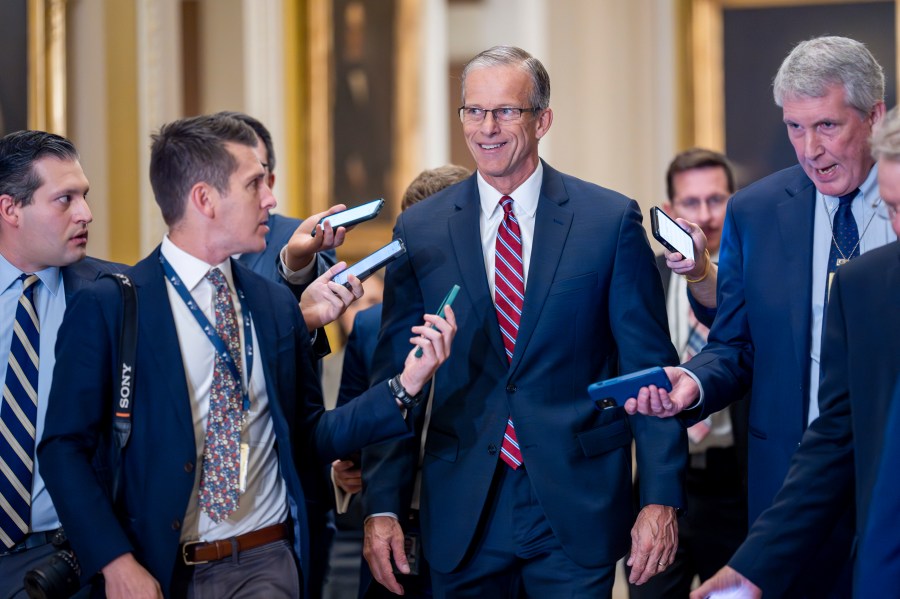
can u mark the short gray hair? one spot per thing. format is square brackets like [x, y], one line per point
[817, 64]
[886, 137]
[512, 56]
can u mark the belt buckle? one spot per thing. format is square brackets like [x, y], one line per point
[184, 553]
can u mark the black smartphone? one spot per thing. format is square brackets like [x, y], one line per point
[352, 216]
[613, 392]
[668, 233]
[368, 265]
[448, 300]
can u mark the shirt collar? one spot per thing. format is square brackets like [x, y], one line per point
[525, 196]
[50, 276]
[192, 270]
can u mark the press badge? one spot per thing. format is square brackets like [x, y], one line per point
[245, 456]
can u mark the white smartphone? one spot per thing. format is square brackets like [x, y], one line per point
[668, 233]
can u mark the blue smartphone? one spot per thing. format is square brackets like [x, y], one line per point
[613, 392]
[448, 299]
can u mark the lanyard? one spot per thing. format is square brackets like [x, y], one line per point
[210, 330]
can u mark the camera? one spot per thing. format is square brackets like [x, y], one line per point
[58, 575]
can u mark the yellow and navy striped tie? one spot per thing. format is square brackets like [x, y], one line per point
[18, 414]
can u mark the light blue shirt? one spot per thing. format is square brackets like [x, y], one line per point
[50, 300]
[875, 230]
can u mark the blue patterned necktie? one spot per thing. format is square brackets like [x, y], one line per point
[844, 237]
[219, 479]
[18, 416]
[509, 297]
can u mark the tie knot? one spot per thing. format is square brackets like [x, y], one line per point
[506, 203]
[848, 197]
[28, 283]
[216, 277]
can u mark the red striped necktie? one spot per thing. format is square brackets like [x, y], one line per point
[509, 295]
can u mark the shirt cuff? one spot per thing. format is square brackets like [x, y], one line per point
[388, 514]
[699, 402]
[297, 277]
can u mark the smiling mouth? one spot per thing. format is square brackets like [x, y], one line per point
[491, 146]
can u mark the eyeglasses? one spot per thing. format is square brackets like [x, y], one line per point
[712, 203]
[504, 114]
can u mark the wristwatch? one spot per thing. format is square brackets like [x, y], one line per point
[400, 394]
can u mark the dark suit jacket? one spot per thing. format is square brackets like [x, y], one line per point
[761, 333]
[838, 459]
[159, 461]
[878, 568]
[359, 354]
[84, 272]
[593, 306]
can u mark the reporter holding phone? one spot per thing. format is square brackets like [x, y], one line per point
[802, 223]
[526, 486]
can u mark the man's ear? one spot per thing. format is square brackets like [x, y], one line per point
[9, 210]
[545, 119]
[202, 198]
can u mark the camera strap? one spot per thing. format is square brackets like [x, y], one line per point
[124, 383]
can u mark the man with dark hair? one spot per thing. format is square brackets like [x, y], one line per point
[44, 218]
[227, 409]
[699, 183]
[526, 485]
[783, 239]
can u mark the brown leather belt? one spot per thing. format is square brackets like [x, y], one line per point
[201, 552]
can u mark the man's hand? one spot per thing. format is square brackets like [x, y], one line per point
[434, 338]
[653, 401]
[654, 540]
[728, 583]
[324, 300]
[347, 476]
[693, 269]
[302, 246]
[384, 538]
[127, 579]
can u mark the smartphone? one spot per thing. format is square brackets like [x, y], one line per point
[448, 300]
[613, 392]
[352, 216]
[368, 265]
[668, 233]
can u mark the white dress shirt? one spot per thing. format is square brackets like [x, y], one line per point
[264, 502]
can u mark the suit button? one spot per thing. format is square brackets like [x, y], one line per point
[176, 524]
[511, 388]
[492, 449]
[189, 467]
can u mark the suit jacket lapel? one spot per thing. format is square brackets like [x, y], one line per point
[796, 216]
[156, 329]
[551, 229]
[465, 237]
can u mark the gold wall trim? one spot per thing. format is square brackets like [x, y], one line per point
[47, 65]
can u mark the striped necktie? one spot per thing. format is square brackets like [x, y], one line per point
[509, 295]
[18, 416]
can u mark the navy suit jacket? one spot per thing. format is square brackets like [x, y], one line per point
[761, 333]
[593, 307]
[878, 567]
[84, 272]
[839, 457]
[359, 354]
[159, 462]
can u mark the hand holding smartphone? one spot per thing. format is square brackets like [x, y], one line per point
[613, 392]
[371, 263]
[670, 234]
[448, 300]
[351, 216]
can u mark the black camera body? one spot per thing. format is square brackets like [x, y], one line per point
[57, 576]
